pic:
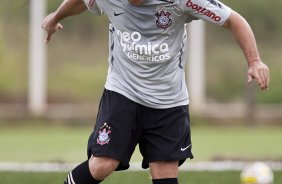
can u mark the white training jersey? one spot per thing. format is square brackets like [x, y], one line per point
[148, 46]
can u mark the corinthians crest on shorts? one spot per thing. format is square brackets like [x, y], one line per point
[104, 133]
[163, 20]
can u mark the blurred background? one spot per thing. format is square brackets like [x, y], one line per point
[235, 122]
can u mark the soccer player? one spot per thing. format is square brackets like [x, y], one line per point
[145, 100]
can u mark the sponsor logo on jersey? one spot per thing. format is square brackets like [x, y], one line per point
[135, 48]
[104, 133]
[163, 20]
[91, 3]
[203, 10]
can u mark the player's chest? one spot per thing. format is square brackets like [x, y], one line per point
[160, 17]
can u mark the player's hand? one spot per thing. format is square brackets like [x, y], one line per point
[260, 72]
[50, 25]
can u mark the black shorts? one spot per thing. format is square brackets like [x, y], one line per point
[162, 134]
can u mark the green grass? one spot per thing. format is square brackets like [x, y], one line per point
[76, 74]
[237, 142]
[226, 69]
[40, 142]
[36, 143]
[142, 177]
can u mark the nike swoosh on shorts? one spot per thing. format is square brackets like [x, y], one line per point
[183, 149]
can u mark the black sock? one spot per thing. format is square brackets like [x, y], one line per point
[81, 175]
[165, 181]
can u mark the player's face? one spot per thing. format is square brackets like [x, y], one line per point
[136, 2]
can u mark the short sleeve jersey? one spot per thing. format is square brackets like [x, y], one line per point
[148, 46]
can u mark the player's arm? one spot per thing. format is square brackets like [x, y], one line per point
[217, 13]
[245, 38]
[68, 8]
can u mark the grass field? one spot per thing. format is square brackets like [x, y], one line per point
[43, 142]
[141, 177]
[40, 142]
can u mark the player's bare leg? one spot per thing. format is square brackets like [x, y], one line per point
[101, 167]
[164, 172]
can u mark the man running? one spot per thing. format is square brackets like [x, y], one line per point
[145, 100]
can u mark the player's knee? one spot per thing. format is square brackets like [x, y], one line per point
[101, 167]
